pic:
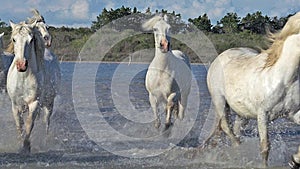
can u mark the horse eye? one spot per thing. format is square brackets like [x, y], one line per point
[155, 29]
[14, 40]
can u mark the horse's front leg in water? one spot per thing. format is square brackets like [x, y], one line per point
[32, 113]
[18, 121]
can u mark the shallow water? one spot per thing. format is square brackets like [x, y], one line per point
[102, 118]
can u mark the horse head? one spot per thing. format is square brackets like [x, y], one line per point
[43, 29]
[22, 39]
[41, 26]
[161, 30]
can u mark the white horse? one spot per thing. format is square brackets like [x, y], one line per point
[168, 79]
[25, 78]
[52, 69]
[262, 86]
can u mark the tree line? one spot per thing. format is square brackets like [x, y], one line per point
[231, 23]
[230, 31]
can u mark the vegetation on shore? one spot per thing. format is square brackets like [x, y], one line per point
[231, 31]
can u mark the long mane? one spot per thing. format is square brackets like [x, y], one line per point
[148, 25]
[36, 17]
[277, 39]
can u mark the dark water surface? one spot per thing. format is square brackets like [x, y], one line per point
[102, 119]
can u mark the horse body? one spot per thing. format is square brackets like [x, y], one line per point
[243, 80]
[168, 79]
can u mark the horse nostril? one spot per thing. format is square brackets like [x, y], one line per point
[46, 38]
[26, 63]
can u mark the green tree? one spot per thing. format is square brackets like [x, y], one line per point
[277, 24]
[230, 23]
[255, 22]
[2, 24]
[202, 22]
[108, 16]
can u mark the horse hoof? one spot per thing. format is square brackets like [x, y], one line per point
[293, 164]
[157, 125]
[167, 126]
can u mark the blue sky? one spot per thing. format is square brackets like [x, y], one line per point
[76, 13]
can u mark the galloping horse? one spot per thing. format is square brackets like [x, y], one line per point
[25, 78]
[262, 86]
[52, 70]
[168, 79]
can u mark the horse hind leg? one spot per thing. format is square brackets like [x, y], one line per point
[222, 111]
[169, 109]
[219, 109]
[216, 128]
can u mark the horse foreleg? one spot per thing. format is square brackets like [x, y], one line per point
[32, 113]
[262, 121]
[48, 112]
[18, 121]
[153, 103]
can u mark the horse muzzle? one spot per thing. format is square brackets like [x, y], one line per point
[164, 46]
[22, 65]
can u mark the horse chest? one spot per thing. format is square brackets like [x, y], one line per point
[159, 83]
[24, 86]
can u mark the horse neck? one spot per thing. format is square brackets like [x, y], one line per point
[36, 59]
[160, 59]
[287, 64]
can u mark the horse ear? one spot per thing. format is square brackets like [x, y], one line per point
[33, 24]
[13, 25]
